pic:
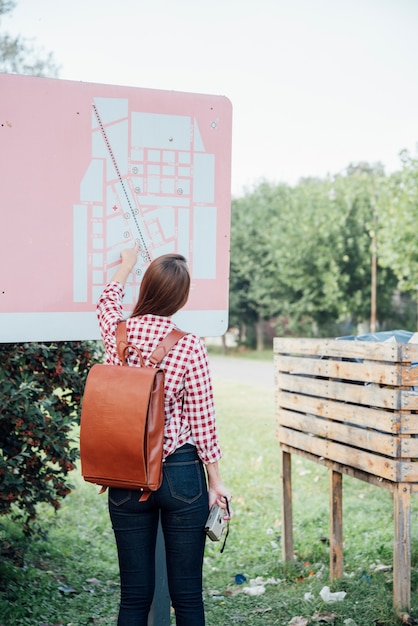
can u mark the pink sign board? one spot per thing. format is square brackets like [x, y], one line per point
[88, 169]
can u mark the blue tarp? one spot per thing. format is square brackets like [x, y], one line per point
[401, 336]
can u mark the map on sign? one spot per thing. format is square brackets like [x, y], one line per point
[150, 180]
[91, 169]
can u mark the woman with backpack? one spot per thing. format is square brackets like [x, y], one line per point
[191, 478]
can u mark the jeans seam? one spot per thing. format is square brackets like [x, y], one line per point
[122, 501]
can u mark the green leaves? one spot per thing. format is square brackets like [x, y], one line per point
[41, 386]
[398, 216]
[302, 255]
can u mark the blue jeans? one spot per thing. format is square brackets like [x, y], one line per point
[182, 500]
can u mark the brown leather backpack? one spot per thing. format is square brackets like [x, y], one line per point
[122, 419]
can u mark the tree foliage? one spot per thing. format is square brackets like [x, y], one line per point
[302, 255]
[19, 55]
[356, 204]
[41, 385]
[255, 256]
[398, 218]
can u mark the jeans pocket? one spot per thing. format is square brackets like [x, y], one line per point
[184, 480]
[119, 496]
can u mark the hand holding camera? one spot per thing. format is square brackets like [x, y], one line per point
[216, 524]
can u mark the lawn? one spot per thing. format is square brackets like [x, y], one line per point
[67, 574]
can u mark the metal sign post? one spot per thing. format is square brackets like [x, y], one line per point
[160, 610]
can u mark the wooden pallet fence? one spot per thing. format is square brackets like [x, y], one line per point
[351, 405]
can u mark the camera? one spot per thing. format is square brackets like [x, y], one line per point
[215, 524]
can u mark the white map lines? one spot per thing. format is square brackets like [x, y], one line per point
[132, 212]
[149, 180]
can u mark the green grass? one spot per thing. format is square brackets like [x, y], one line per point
[68, 574]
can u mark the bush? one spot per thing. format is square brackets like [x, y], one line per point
[41, 386]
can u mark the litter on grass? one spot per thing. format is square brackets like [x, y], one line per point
[329, 596]
[67, 590]
[240, 579]
[380, 567]
[326, 595]
[258, 585]
[256, 590]
[265, 581]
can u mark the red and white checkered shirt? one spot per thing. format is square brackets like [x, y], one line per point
[189, 407]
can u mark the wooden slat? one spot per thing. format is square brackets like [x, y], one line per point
[371, 479]
[357, 437]
[370, 350]
[408, 471]
[366, 395]
[366, 461]
[409, 400]
[398, 471]
[364, 438]
[409, 447]
[373, 351]
[370, 395]
[394, 374]
[379, 419]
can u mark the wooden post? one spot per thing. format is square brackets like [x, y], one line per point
[402, 546]
[287, 517]
[336, 525]
[373, 286]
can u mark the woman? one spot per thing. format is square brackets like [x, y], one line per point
[190, 445]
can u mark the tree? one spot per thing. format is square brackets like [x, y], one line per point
[19, 55]
[310, 271]
[356, 197]
[255, 286]
[398, 217]
[303, 254]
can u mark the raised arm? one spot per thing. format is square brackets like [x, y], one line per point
[128, 260]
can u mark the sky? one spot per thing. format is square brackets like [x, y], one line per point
[315, 84]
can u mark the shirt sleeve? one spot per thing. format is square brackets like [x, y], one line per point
[199, 405]
[110, 312]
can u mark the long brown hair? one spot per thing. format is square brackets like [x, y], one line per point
[165, 286]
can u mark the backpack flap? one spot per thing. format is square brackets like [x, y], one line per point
[122, 426]
[122, 419]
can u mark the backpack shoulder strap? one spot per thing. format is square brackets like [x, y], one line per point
[160, 351]
[165, 346]
[121, 340]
